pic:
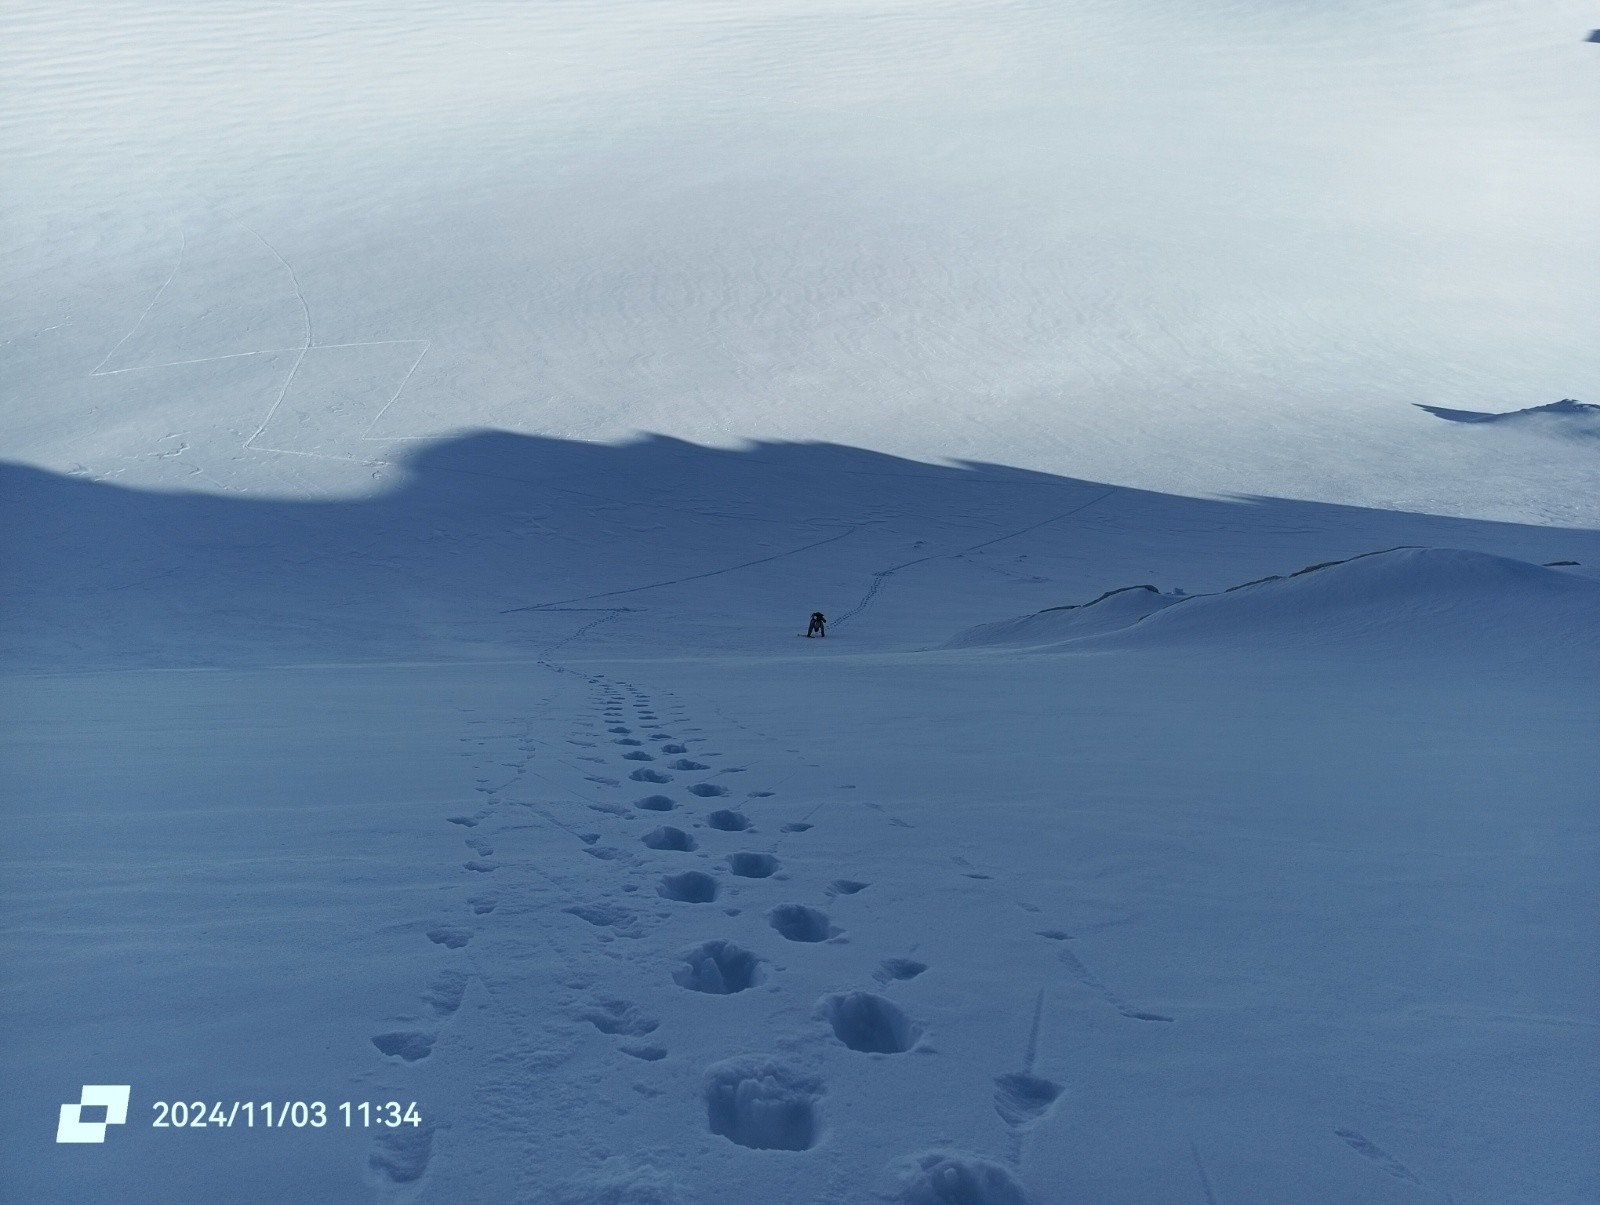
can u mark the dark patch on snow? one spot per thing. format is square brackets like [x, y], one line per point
[1567, 408]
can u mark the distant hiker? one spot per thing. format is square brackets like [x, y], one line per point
[819, 625]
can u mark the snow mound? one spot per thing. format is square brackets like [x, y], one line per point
[1401, 599]
[1112, 611]
[1404, 600]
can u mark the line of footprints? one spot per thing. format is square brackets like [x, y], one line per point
[754, 1101]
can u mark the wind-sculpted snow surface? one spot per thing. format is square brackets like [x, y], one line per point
[1424, 601]
[1109, 613]
[1219, 245]
[1420, 601]
[499, 546]
[517, 793]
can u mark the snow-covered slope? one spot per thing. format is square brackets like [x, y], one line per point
[492, 545]
[1110, 612]
[512, 792]
[1420, 602]
[1427, 603]
[387, 719]
[1198, 248]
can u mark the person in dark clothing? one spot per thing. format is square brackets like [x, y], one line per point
[819, 625]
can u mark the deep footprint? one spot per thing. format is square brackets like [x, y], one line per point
[409, 1045]
[869, 1023]
[729, 821]
[762, 1104]
[667, 837]
[900, 968]
[799, 923]
[718, 968]
[753, 866]
[952, 1178]
[690, 887]
[402, 1155]
[1022, 1099]
[444, 996]
[650, 1054]
[619, 1017]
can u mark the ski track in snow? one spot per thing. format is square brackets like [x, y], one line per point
[1387, 1163]
[883, 575]
[307, 345]
[1200, 1170]
[679, 580]
[1090, 980]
